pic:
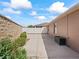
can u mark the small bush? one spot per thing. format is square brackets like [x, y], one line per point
[21, 40]
[13, 49]
[5, 48]
[23, 35]
[30, 26]
[21, 53]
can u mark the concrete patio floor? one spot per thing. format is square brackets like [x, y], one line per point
[55, 51]
[40, 46]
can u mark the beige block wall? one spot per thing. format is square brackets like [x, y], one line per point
[73, 30]
[9, 28]
[2, 27]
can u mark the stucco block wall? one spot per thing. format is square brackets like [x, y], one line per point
[61, 26]
[9, 28]
[73, 30]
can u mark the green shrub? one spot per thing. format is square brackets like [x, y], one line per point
[13, 49]
[21, 53]
[23, 35]
[21, 40]
[30, 26]
[5, 48]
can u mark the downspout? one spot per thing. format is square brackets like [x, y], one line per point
[67, 32]
[67, 28]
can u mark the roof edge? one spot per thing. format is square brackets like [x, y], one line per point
[10, 20]
[71, 9]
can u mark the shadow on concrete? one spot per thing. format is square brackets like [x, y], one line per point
[55, 51]
[48, 45]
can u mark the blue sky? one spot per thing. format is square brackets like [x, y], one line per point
[27, 12]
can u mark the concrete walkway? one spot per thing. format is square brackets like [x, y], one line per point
[40, 46]
[35, 47]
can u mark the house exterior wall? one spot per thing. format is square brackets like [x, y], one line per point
[68, 26]
[9, 28]
[61, 25]
[73, 30]
[51, 30]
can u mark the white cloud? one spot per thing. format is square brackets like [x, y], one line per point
[18, 4]
[21, 4]
[5, 3]
[33, 13]
[58, 7]
[10, 10]
[41, 17]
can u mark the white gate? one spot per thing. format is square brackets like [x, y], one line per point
[35, 30]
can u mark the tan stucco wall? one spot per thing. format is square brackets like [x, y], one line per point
[73, 30]
[51, 30]
[9, 28]
[68, 26]
[61, 25]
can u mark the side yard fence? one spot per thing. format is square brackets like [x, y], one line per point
[36, 30]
